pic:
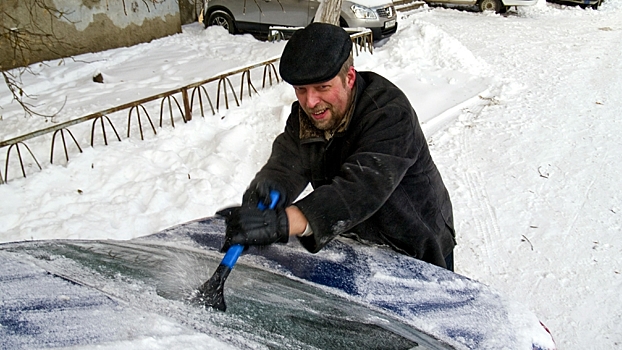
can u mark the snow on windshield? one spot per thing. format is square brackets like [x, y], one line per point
[142, 281]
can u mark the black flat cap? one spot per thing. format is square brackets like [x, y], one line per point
[314, 54]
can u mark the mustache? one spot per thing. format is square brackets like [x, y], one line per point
[318, 109]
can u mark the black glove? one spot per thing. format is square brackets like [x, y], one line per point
[260, 191]
[248, 225]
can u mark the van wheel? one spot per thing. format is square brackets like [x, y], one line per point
[490, 5]
[221, 18]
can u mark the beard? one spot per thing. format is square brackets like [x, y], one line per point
[336, 114]
[326, 124]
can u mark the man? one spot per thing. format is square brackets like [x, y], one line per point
[355, 137]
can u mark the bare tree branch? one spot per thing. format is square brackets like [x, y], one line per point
[26, 39]
[19, 94]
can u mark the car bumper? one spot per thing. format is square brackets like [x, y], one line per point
[381, 33]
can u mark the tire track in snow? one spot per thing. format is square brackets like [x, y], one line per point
[484, 219]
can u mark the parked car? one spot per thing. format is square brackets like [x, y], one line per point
[240, 16]
[498, 6]
[594, 4]
[135, 294]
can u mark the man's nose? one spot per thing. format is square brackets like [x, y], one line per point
[313, 98]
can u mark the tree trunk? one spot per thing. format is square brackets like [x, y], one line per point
[329, 11]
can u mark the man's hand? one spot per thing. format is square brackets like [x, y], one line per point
[248, 225]
[260, 191]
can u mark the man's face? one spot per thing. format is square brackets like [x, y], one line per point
[327, 102]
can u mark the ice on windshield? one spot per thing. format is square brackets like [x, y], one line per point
[141, 290]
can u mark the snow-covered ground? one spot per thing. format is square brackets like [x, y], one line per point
[522, 113]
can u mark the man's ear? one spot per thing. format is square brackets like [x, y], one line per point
[351, 77]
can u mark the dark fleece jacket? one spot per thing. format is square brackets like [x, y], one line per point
[375, 180]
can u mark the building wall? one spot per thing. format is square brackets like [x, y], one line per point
[38, 30]
[190, 10]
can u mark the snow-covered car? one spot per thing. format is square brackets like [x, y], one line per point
[135, 294]
[239, 16]
[498, 6]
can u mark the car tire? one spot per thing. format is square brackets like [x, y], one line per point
[490, 5]
[223, 19]
[596, 5]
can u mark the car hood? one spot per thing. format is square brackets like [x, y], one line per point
[370, 3]
[76, 293]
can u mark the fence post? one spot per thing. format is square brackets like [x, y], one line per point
[187, 109]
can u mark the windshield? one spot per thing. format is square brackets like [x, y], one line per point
[265, 309]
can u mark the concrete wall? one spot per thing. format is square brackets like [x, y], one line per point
[38, 30]
[189, 10]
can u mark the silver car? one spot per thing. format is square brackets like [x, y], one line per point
[256, 17]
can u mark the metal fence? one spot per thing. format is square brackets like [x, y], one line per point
[175, 104]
